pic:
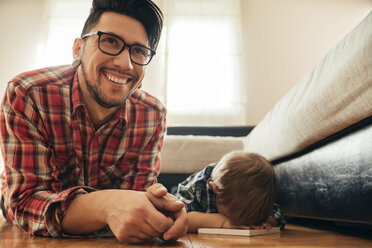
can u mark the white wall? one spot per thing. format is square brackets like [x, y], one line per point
[284, 39]
[21, 24]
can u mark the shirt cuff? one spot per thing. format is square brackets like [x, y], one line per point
[58, 207]
[277, 214]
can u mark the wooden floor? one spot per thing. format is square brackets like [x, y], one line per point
[294, 235]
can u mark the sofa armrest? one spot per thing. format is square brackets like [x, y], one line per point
[186, 154]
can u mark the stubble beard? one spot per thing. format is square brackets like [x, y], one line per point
[97, 93]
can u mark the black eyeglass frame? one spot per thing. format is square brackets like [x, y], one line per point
[100, 33]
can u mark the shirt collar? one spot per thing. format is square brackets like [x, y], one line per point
[76, 98]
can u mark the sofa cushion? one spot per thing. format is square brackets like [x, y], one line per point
[188, 153]
[335, 94]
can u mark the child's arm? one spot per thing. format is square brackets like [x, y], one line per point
[216, 220]
[199, 219]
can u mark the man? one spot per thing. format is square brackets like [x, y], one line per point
[81, 143]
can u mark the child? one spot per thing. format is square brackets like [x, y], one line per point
[237, 192]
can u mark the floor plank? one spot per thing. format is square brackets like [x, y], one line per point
[295, 235]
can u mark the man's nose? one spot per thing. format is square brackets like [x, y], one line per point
[123, 60]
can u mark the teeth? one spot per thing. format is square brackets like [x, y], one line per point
[117, 80]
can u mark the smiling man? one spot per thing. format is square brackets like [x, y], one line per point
[81, 143]
[111, 69]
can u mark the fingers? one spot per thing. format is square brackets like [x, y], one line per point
[262, 226]
[179, 228]
[256, 227]
[157, 190]
[139, 232]
[266, 226]
[159, 221]
[166, 202]
[136, 232]
[170, 205]
[152, 231]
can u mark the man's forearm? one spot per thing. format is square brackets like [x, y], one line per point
[85, 214]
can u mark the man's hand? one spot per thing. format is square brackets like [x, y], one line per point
[171, 207]
[134, 219]
[131, 216]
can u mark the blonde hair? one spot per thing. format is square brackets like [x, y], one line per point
[245, 186]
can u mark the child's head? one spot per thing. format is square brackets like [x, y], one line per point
[245, 187]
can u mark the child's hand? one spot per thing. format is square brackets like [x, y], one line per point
[227, 224]
[262, 226]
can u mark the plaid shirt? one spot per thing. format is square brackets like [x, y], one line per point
[52, 153]
[197, 195]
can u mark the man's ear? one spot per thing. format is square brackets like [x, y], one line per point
[77, 48]
[214, 187]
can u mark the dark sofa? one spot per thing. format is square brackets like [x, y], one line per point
[330, 180]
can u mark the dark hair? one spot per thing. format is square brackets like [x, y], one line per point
[248, 188]
[145, 11]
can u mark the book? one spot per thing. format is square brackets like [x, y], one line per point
[239, 232]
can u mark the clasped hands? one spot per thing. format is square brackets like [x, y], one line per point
[146, 215]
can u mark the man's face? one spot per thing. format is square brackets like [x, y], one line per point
[110, 79]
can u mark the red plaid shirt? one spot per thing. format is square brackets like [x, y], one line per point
[52, 153]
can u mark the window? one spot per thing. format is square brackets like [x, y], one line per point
[203, 62]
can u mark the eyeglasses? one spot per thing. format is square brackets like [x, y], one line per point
[113, 45]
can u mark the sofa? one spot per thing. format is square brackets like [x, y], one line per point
[318, 137]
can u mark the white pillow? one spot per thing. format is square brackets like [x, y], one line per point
[334, 95]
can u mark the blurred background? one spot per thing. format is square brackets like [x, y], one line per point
[219, 62]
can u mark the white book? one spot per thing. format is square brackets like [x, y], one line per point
[239, 232]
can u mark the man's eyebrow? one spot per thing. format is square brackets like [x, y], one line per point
[135, 43]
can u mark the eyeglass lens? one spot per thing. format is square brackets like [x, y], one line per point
[113, 46]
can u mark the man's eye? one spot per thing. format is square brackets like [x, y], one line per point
[109, 40]
[140, 51]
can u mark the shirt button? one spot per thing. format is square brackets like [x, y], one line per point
[92, 171]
